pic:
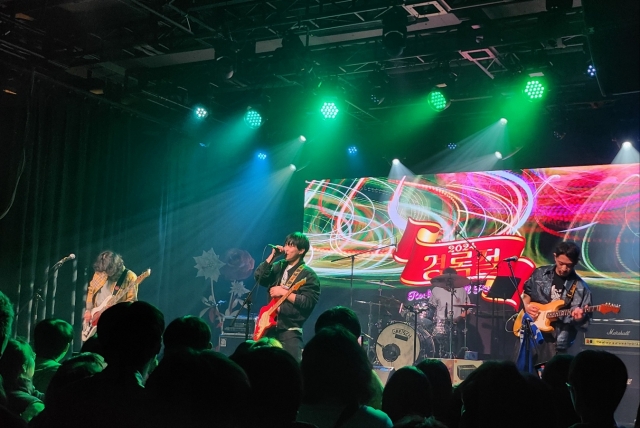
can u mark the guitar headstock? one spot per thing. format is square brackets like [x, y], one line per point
[609, 307]
[298, 284]
[144, 274]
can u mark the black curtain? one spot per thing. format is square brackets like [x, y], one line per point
[90, 178]
[89, 175]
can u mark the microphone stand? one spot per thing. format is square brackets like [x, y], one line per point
[248, 301]
[526, 323]
[478, 256]
[353, 257]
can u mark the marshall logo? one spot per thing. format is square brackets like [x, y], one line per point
[614, 332]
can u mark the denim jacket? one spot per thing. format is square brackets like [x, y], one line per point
[538, 288]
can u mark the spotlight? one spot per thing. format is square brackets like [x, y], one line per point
[292, 167]
[534, 89]
[559, 135]
[352, 150]
[378, 86]
[329, 110]
[498, 155]
[591, 71]
[262, 156]
[394, 31]
[503, 121]
[395, 161]
[452, 146]
[626, 145]
[302, 138]
[200, 112]
[253, 118]
[437, 100]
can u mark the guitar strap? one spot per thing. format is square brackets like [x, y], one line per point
[120, 281]
[571, 292]
[292, 278]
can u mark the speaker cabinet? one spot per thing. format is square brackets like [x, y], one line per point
[622, 338]
[227, 343]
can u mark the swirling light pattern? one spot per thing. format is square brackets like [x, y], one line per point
[596, 206]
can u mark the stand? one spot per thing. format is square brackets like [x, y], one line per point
[353, 257]
[528, 333]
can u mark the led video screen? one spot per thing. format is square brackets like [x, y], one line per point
[406, 231]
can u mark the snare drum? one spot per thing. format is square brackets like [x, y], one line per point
[395, 345]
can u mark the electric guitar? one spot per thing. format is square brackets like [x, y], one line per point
[551, 311]
[90, 328]
[267, 316]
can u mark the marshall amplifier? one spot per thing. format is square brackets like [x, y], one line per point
[613, 333]
[239, 326]
[622, 338]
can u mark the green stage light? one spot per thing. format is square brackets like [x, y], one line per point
[329, 110]
[253, 119]
[201, 112]
[437, 100]
[534, 89]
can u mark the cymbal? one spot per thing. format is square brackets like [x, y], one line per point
[447, 280]
[466, 306]
[368, 303]
[382, 283]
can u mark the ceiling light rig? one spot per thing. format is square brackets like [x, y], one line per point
[394, 31]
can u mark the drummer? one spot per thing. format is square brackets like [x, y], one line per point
[441, 295]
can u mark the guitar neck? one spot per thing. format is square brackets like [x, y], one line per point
[566, 312]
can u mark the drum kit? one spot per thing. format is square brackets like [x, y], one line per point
[421, 333]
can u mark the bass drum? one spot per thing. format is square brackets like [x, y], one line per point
[395, 345]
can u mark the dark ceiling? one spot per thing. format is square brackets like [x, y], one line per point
[162, 57]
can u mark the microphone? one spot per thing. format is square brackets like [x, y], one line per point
[65, 259]
[446, 310]
[275, 247]
[511, 259]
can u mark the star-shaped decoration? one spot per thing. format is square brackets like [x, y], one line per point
[208, 265]
[237, 288]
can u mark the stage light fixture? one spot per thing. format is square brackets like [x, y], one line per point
[534, 89]
[591, 71]
[302, 138]
[437, 100]
[378, 86]
[498, 155]
[262, 155]
[352, 150]
[452, 146]
[394, 31]
[253, 118]
[503, 121]
[329, 110]
[626, 145]
[395, 161]
[292, 167]
[200, 112]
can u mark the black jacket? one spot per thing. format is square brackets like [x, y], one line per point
[291, 315]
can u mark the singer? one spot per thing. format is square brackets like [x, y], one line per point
[110, 276]
[278, 277]
[554, 282]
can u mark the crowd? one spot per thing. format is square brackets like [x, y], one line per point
[136, 373]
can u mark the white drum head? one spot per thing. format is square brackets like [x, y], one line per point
[395, 345]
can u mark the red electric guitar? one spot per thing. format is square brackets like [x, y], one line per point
[267, 316]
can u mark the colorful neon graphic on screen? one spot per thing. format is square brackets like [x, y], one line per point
[520, 213]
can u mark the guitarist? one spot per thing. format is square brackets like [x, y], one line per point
[278, 277]
[110, 276]
[553, 282]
